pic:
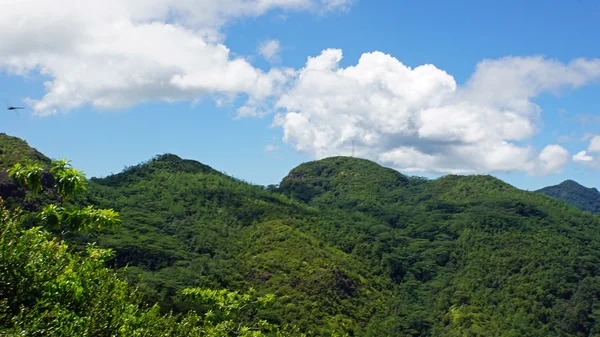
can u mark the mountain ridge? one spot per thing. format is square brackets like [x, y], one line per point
[167, 161]
[387, 255]
[573, 193]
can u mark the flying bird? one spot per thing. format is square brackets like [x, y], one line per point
[11, 106]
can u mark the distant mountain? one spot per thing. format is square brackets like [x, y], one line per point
[571, 192]
[350, 246]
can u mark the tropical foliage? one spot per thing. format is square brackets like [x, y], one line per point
[346, 247]
[48, 290]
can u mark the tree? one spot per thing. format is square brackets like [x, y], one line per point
[67, 182]
[46, 289]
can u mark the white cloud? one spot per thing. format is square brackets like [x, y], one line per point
[551, 160]
[420, 119]
[330, 5]
[270, 50]
[594, 145]
[583, 157]
[115, 53]
[591, 157]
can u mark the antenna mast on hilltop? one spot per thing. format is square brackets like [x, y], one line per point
[352, 147]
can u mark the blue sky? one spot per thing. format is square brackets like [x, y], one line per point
[453, 36]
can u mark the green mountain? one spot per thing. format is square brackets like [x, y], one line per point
[474, 255]
[345, 182]
[349, 246]
[185, 224]
[571, 192]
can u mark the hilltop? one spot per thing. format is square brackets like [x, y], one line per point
[571, 192]
[346, 182]
[331, 177]
[350, 246]
[15, 150]
[167, 162]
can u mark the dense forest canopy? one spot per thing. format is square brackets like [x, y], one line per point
[345, 247]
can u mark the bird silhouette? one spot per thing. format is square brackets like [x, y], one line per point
[15, 107]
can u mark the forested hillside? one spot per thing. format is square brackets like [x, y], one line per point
[185, 224]
[352, 248]
[49, 289]
[569, 191]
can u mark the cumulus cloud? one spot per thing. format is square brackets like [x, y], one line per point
[591, 156]
[270, 50]
[551, 160]
[115, 53]
[594, 145]
[419, 119]
[583, 157]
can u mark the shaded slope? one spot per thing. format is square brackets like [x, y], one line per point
[571, 192]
